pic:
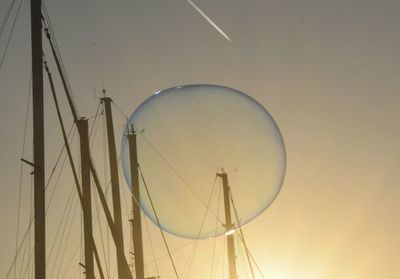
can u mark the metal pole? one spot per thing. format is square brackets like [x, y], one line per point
[229, 227]
[136, 220]
[38, 139]
[82, 125]
[114, 182]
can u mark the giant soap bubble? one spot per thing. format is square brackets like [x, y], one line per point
[187, 134]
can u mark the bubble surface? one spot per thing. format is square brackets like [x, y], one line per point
[187, 135]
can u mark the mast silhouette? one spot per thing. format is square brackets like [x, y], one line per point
[136, 219]
[114, 184]
[229, 227]
[82, 125]
[38, 139]
[124, 268]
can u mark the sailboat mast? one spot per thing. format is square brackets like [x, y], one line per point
[38, 139]
[136, 219]
[229, 227]
[82, 125]
[114, 183]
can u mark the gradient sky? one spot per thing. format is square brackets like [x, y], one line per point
[327, 71]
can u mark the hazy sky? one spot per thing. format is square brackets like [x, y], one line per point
[327, 71]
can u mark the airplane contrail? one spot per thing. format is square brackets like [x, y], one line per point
[209, 20]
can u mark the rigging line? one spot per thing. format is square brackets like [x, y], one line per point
[30, 213]
[219, 257]
[188, 260]
[13, 262]
[77, 273]
[10, 35]
[167, 254]
[60, 60]
[69, 203]
[28, 264]
[151, 245]
[120, 110]
[63, 225]
[102, 239]
[223, 257]
[241, 258]
[202, 223]
[158, 221]
[59, 155]
[174, 170]
[77, 184]
[67, 238]
[56, 183]
[26, 233]
[172, 251]
[94, 123]
[21, 264]
[22, 167]
[4, 22]
[63, 76]
[248, 254]
[50, 26]
[73, 254]
[70, 261]
[68, 206]
[25, 237]
[98, 262]
[93, 116]
[51, 199]
[251, 257]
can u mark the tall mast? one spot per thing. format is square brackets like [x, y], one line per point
[229, 227]
[38, 139]
[136, 219]
[82, 125]
[114, 183]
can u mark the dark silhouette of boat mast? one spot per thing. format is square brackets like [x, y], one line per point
[136, 218]
[87, 164]
[38, 139]
[230, 229]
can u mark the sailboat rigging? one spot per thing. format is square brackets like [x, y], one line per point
[88, 175]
